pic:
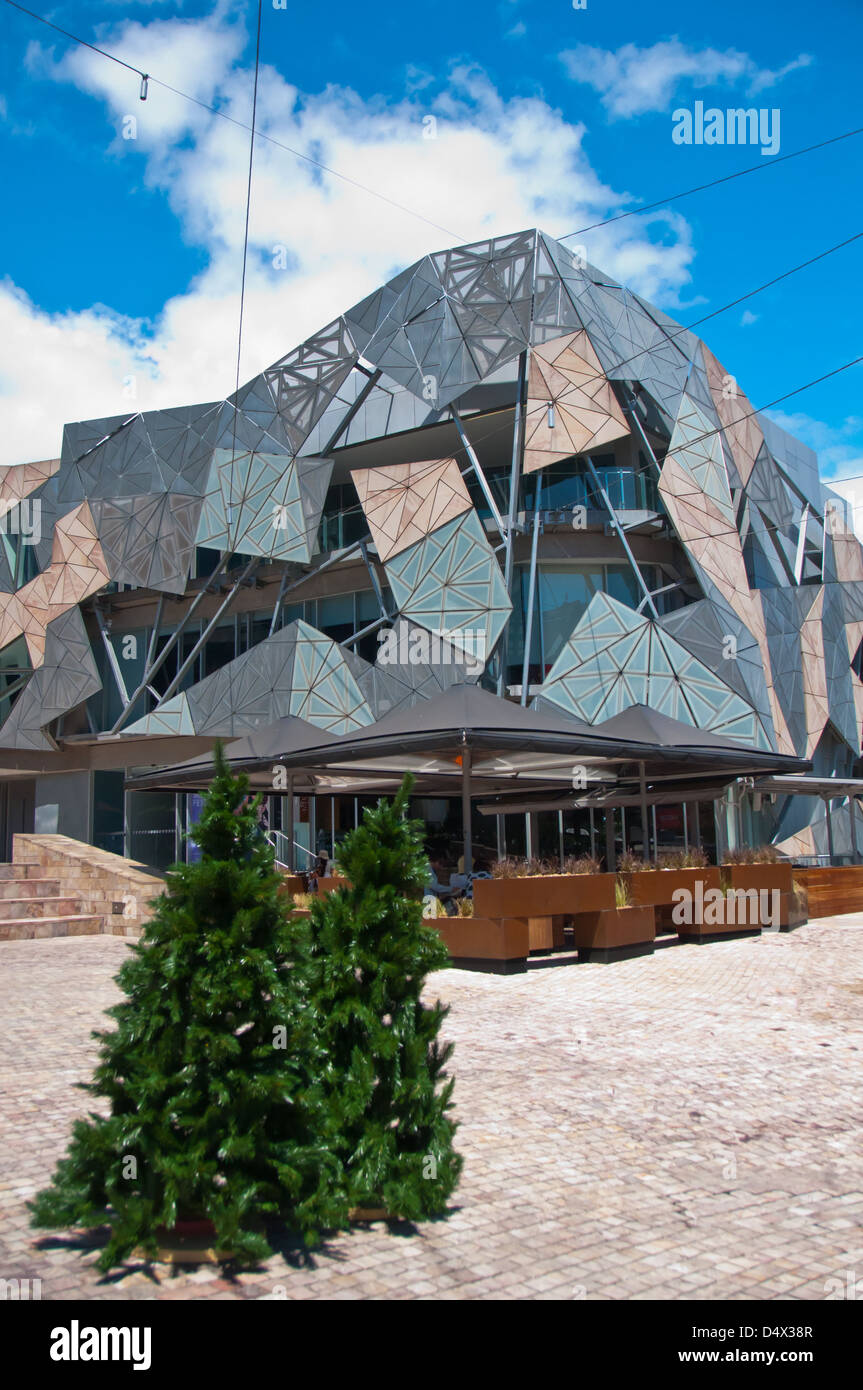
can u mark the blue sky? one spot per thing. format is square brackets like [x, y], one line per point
[121, 257]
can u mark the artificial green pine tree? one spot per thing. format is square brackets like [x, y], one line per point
[385, 1091]
[207, 1075]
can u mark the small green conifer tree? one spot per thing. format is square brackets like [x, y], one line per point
[385, 1094]
[207, 1078]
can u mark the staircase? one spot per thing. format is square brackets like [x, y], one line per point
[57, 886]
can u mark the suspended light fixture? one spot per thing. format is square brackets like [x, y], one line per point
[145, 78]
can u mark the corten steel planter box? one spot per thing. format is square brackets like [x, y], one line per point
[767, 876]
[543, 895]
[496, 944]
[545, 934]
[738, 916]
[293, 883]
[615, 933]
[752, 879]
[330, 885]
[702, 932]
[655, 887]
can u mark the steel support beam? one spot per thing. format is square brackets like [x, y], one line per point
[801, 546]
[112, 657]
[351, 412]
[607, 503]
[222, 608]
[14, 687]
[633, 415]
[373, 576]
[476, 467]
[365, 631]
[278, 608]
[531, 593]
[169, 645]
[666, 588]
[514, 483]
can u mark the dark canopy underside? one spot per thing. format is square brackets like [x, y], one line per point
[506, 745]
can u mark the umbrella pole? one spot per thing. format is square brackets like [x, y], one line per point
[610, 856]
[465, 811]
[645, 835]
[291, 854]
[829, 817]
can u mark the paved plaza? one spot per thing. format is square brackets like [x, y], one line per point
[680, 1126]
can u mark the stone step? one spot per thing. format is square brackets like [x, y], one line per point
[93, 878]
[16, 908]
[25, 871]
[28, 888]
[29, 929]
[93, 882]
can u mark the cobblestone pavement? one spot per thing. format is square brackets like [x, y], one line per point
[679, 1126]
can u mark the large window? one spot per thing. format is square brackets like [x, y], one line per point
[562, 595]
[342, 521]
[108, 811]
[568, 484]
[15, 664]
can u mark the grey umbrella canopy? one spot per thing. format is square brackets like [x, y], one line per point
[468, 717]
[285, 736]
[640, 724]
[481, 740]
[467, 714]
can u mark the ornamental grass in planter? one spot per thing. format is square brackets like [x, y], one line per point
[513, 867]
[655, 885]
[533, 888]
[759, 868]
[617, 932]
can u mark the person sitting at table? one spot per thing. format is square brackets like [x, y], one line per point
[433, 882]
[322, 869]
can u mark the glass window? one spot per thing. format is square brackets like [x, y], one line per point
[187, 645]
[152, 828]
[220, 647]
[368, 607]
[108, 811]
[621, 584]
[14, 664]
[564, 594]
[498, 484]
[291, 613]
[336, 616]
[342, 521]
[515, 651]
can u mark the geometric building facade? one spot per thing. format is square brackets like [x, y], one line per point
[502, 449]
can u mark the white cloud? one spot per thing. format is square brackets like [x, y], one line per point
[633, 80]
[839, 448]
[747, 318]
[495, 166]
